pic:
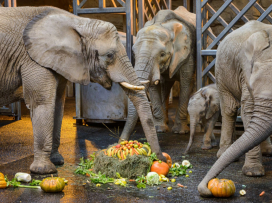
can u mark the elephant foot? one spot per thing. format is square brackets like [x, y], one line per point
[253, 170]
[161, 157]
[206, 146]
[180, 129]
[56, 158]
[222, 150]
[162, 128]
[203, 190]
[42, 166]
[214, 144]
[266, 150]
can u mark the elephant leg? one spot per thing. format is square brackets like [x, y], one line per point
[229, 107]
[157, 109]
[186, 88]
[207, 140]
[266, 147]
[40, 86]
[165, 97]
[56, 158]
[253, 162]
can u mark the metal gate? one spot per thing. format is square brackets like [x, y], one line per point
[13, 109]
[203, 22]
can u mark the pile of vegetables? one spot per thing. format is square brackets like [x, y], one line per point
[52, 184]
[126, 148]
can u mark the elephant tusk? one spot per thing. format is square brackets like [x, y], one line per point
[156, 82]
[144, 81]
[132, 87]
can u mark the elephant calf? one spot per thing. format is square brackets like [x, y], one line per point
[204, 108]
[40, 49]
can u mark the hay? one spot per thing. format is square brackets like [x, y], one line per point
[131, 167]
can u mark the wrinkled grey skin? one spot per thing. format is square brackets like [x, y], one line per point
[243, 77]
[41, 48]
[204, 108]
[165, 52]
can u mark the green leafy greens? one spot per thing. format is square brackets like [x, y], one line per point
[35, 182]
[14, 183]
[141, 182]
[100, 178]
[85, 165]
[178, 171]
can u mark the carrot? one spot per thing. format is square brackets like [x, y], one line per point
[87, 174]
[262, 193]
[180, 185]
[91, 169]
[131, 180]
[136, 152]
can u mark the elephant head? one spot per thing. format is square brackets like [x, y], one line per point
[84, 50]
[202, 106]
[255, 61]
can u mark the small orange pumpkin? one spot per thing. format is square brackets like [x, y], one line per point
[160, 168]
[221, 187]
[168, 159]
[3, 183]
[52, 184]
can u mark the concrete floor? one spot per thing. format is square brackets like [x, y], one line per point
[16, 155]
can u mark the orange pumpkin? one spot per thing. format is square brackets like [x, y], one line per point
[52, 184]
[168, 159]
[3, 183]
[160, 168]
[221, 187]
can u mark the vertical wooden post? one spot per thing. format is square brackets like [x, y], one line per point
[198, 44]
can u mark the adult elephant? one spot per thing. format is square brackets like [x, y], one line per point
[243, 76]
[165, 52]
[41, 48]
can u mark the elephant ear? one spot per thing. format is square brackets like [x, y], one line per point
[181, 45]
[52, 42]
[211, 105]
[253, 46]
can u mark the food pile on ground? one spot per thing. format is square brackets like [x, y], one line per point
[128, 148]
[131, 162]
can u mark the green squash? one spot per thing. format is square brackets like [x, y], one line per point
[52, 184]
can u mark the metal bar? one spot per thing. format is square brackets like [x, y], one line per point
[150, 7]
[129, 25]
[75, 8]
[102, 10]
[231, 24]
[268, 10]
[157, 5]
[122, 3]
[164, 4]
[78, 100]
[237, 11]
[185, 4]
[82, 4]
[13, 3]
[208, 68]
[215, 16]
[102, 3]
[211, 76]
[18, 111]
[220, 19]
[168, 4]
[141, 13]
[208, 52]
[261, 10]
[204, 3]
[211, 35]
[198, 45]
[113, 2]
[7, 3]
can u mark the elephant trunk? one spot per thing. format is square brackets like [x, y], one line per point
[143, 75]
[193, 123]
[259, 129]
[139, 100]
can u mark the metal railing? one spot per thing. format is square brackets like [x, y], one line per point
[13, 109]
[202, 25]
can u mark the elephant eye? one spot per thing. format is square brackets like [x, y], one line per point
[110, 55]
[162, 54]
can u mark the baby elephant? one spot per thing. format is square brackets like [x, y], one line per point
[204, 108]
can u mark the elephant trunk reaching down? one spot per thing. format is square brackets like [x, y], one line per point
[259, 129]
[137, 97]
[193, 124]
